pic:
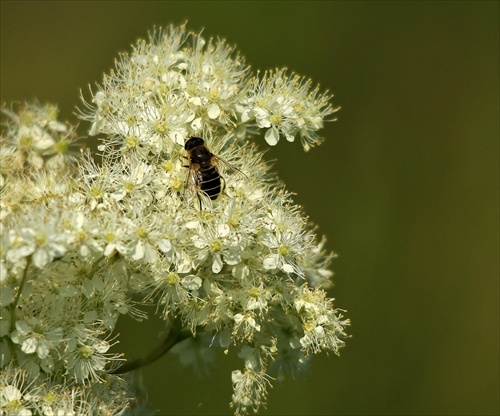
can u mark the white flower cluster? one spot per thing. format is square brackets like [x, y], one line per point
[21, 395]
[177, 84]
[82, 245]
[286, 105]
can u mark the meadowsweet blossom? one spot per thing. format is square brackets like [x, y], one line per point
[85, 243]
[21, 396]
[285, 105]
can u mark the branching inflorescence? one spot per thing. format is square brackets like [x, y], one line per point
[83, 243]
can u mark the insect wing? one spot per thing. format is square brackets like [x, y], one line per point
[192, 187]
[192, 183]
[227, 167]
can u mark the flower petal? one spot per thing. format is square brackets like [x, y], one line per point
[272, 136]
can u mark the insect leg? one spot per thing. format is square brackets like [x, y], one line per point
[222, 184]
[199, 200]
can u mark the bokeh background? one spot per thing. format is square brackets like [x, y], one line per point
[406, 186]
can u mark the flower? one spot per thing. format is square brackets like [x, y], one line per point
[85, 243]
[22, 397]
[285, 105]
[35, 341]
[33, 137]
[250, 390]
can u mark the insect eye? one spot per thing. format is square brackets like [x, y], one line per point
[193, 142]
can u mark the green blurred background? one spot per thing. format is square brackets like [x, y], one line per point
[406, 186]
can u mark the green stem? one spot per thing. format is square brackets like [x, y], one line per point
[95, 267]
[18, 296]
[174, 336]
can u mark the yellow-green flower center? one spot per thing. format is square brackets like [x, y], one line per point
[26, 141]
[131, 142]
[86, 351]
[276, 119]
[41, 240]
[95, 192]
[167, 165]
[284, 250]
[214, 94]
[49, 397]
[129, 185]
[161, 127]
[308, 327]
[234, 221]
[172, 278]
[142, 233]
[215, 246]
[254, 292]
[62, 147]
[177, 184]
[298, 108]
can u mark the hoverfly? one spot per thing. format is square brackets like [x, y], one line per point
[203, 176]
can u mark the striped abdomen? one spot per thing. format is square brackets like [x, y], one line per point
[209, 181]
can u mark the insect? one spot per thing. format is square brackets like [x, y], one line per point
[203, 172]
